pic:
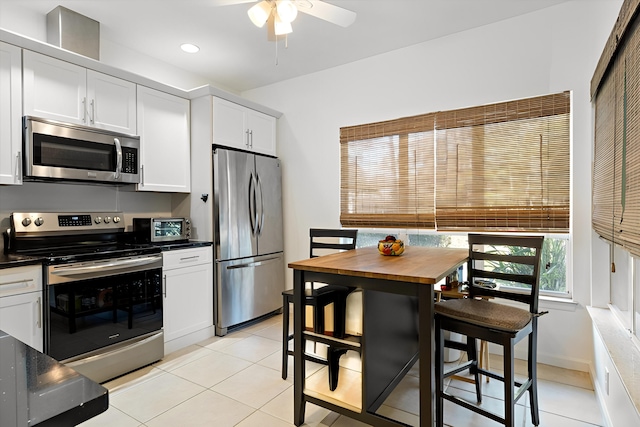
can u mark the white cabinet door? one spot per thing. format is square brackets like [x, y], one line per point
[188, 301]
[21, 304]
[112, 103]
[163, 126]
[240, 127]
[59, 90]
[229, 128]
[262, 132]
[54, 89]
[10, 114]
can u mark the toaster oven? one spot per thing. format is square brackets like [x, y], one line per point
[155, 230]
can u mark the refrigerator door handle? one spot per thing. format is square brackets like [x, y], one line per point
[252, 264]
[253, 215]
[259, 215]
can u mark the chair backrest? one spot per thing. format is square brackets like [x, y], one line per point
[510, 262]
[323, 240]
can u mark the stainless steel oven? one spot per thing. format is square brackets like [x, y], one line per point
[102, 293]
[98, 308]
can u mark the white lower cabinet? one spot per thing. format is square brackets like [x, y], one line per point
[21, 304]
[188, 291]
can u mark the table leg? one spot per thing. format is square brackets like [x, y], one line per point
[427, 356]
[298, 347]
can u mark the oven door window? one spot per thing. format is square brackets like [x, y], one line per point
[72, 153]
[88, 315]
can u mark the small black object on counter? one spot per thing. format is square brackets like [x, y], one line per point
[35, 389]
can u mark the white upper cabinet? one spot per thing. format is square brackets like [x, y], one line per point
[240, 127]
[112, 103]
[65, 92]
[10, 115]
[163, 126]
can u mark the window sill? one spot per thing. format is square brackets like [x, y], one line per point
[548, 303]
[624, 354]
[555, 303]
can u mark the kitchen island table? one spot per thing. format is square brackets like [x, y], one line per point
[397, 326]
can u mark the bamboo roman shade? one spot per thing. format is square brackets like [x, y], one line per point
[504, 166]
[616, 166]
[387, 174]
[494, 167]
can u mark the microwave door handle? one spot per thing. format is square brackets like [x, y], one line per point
[118, 157]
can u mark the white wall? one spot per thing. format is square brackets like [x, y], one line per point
[552, 50]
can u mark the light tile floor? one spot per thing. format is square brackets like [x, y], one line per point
[235, 381]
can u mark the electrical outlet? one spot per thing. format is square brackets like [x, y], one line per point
[606, 381]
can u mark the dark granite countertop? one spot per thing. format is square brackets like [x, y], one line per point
[183, 245]
[11, 260]
[35, 389]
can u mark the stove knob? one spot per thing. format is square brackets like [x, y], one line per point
[97, 220]
[39, 221]
[26, 222]
[116, 219]
[107, 219]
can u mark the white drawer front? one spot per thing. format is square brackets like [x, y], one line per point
[20, 280]
[186, 257]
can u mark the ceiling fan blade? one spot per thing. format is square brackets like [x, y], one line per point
[326, 11]
[216, 3]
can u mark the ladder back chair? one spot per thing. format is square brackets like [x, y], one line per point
[322, 242]
[499, 267]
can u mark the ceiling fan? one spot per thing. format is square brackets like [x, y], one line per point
[279, 14]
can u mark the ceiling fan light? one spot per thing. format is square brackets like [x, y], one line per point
[287, 11]
[281, 27]
[259, 13]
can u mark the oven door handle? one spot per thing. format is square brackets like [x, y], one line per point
[103, 267]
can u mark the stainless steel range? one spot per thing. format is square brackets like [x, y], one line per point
[102, 294]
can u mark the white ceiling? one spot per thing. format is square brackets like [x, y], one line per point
[236, 55]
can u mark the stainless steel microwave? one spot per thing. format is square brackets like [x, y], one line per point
[155, 230]
[60, 151]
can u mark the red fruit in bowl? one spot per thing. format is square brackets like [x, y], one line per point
[390, 238]
[386, 250]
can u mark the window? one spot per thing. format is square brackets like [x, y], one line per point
[499, 167]
[494, 168]
[615, 89]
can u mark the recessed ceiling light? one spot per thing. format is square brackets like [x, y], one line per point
[189, 48]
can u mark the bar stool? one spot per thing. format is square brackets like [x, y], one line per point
[494, 260]
[320, 242]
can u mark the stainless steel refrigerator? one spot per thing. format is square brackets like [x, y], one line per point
[248, 237]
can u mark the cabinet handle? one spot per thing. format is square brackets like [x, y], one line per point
[38, 314]
[247, 138]
[18, 167]
[194, 258]
[84, 110]
[251, 139]
[23, 283]
[142, 175]
[164, 285]
[92, 116]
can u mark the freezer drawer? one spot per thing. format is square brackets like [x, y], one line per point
[247, 288]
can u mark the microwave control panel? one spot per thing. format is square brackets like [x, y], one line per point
[129, 160]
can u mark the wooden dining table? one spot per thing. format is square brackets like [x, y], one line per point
[397, 326]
